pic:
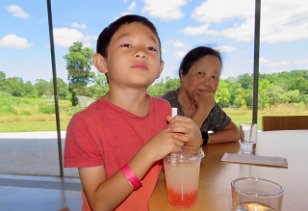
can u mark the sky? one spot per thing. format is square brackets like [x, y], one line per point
[226, 25]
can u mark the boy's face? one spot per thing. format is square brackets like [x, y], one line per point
[203, 75]
[133, 56]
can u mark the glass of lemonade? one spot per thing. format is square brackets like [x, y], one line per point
[182, 178]
[256, 194]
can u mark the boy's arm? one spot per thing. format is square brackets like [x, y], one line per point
[107, 193]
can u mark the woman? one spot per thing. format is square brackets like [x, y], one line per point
[199, 73]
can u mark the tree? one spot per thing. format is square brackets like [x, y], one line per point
[275, 95]
[100, 86]
[2, 76]
[245, 80]
[222, 94]
[62, 88]
[14, 86]
[78, 64]
[291, 97]
[29, 90]
[41, 87]
[2, 81]
[264, 87]
[163, 86]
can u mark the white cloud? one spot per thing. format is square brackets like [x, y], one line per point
[215, 11]
[278, 65]
[13, 41]
[79, 25]
[196, 30]
[177, 43]
[225, 48]
[284, 21]
[243, 33]
[281, 21]
[274, 64]
[132, 6]
[164, 9]
[65, 37]
[17, 11]
[180, 54]
[179, 48]
[301, 62]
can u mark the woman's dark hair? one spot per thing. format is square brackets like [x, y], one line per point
[194, 55]
[105, 36]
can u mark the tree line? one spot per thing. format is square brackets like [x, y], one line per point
[275, 88]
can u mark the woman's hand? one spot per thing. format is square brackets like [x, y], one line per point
[204, 99]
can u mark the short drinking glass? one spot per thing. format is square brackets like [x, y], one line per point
[256, 194]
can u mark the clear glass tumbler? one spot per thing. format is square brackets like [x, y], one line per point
[182, 178]
[256, 194]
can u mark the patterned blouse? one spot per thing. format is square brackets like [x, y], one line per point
[217, 119]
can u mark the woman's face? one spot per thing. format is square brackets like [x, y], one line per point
[203, 76]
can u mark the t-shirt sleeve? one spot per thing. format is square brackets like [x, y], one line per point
[165, 107]
[81, 149]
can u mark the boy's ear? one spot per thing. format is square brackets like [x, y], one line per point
[100, 63]
[162, 64]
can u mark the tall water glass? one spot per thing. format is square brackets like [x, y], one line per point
[248, 139]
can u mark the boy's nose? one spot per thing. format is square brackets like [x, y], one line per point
[140, 53]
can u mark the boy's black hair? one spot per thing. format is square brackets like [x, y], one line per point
[194, 55]
[105, 36]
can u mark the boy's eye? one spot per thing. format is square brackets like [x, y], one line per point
[126, 45]
[152, 49]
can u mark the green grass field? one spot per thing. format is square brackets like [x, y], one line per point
[27, 114]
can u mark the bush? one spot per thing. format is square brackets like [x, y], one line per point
[7, 109]
[25, 113]
[47, 109]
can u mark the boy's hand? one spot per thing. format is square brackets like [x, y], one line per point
[186, 127]
[164, 143]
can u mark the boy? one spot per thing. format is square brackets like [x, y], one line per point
[118, 141]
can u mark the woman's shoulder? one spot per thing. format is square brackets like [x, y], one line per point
[170, 95]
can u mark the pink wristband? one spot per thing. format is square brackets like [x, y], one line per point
[131, 177]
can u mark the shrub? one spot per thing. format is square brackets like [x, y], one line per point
[25, 113]
[47, 109]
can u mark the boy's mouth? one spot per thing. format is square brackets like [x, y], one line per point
[140, 66]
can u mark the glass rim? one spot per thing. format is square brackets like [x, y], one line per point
[279, 193]
[247, 124]
[179, 157]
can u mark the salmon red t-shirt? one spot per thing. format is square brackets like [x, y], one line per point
[105, 134]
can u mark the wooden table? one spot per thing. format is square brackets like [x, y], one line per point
[216, 176]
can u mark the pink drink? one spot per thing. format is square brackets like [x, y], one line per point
[182, 178]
